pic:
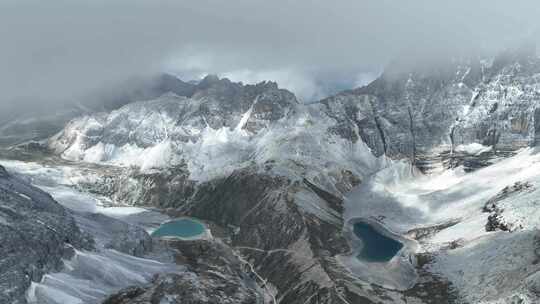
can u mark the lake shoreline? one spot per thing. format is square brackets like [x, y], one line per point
[170, 230]
[397, 273]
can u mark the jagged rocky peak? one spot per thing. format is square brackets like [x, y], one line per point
[216, 276]
[169, 83]
[220, 115]
[210, 80]
[224, 100]
[400, 113]
[416, 111]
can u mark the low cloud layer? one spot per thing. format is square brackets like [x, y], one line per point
[60, 50]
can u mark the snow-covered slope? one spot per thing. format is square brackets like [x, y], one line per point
[483, 264]
[36, 234]
[172, 130]
[34, 120]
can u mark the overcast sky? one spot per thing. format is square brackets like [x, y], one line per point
[52, 50]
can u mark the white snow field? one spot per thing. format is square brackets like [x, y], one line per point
[89, 276]
[486, 267]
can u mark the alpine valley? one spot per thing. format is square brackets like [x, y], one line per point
[438, 160]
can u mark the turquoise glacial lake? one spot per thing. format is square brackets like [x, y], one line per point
[377, 247]
[183, 228]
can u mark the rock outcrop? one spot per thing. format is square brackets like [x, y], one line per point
[214, 275]
[36, 234]
[496, 219]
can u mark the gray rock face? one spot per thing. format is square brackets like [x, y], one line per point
[215, 275]
[224, 102]
[401, 112]
[410, 113]
[213, 102]
[496, 220]
[448, 159]
[116, 234]
[218, 109]
[36, 233]
[167, 188]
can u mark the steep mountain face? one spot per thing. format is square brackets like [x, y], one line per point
[36, 234]
[411, 113]
[31, 119]
[275, 178]
[217, 119]
[223, 127]
[215, 275]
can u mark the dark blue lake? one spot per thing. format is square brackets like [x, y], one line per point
[376, 246]
[184, 228]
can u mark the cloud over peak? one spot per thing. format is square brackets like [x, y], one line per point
[55, 50]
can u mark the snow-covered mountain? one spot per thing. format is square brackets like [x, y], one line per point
[221, 128]
[442, 156]
[30, 119]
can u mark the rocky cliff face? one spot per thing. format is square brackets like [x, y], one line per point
[36, 234]
[208, 131]
[410, 112]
